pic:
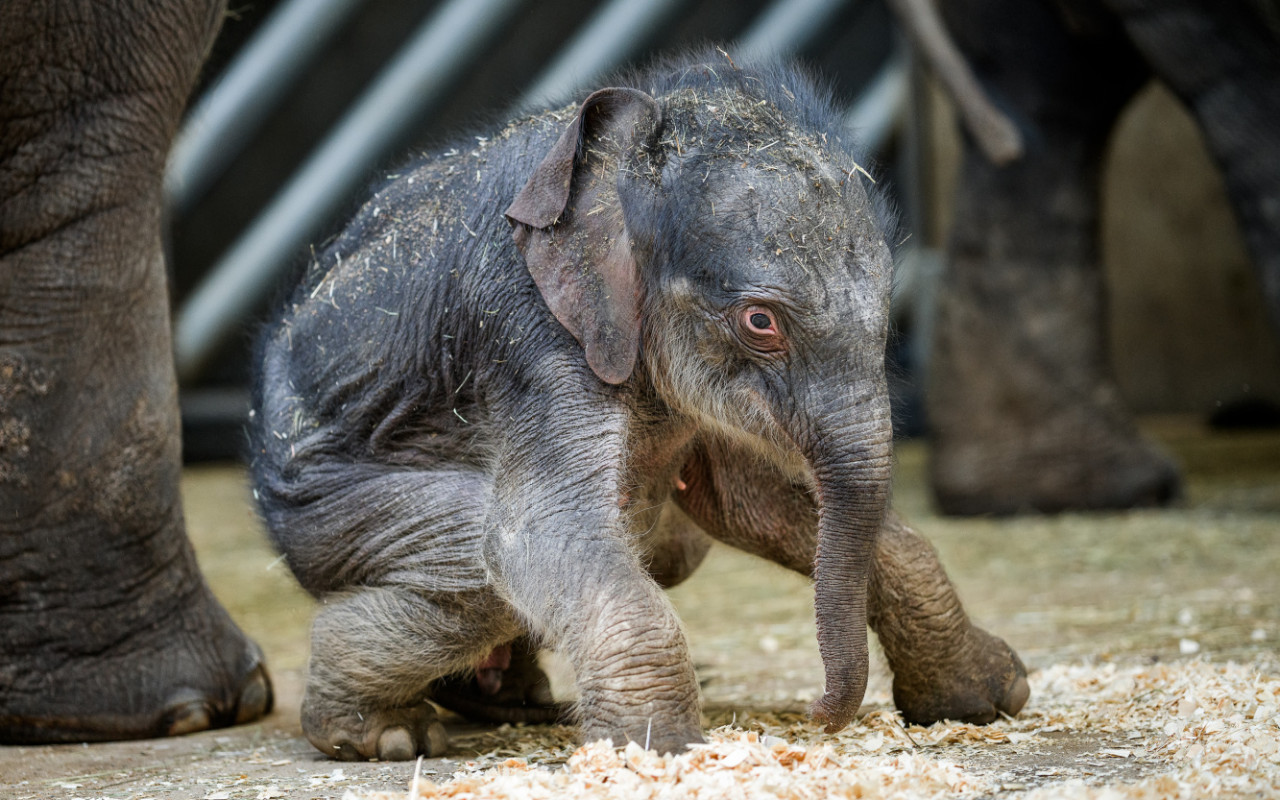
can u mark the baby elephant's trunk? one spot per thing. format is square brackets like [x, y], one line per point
[851, 462]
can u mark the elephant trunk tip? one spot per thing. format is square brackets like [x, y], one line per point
[837, 707]
[835, 714]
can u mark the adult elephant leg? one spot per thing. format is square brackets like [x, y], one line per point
[1024, 413]
[107, 629]
[944, 666]
[1223, 60]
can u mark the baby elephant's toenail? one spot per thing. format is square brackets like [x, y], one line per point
[395, 744]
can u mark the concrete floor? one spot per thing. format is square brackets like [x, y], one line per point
[1199, 579]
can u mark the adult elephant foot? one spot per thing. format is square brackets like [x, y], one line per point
[1084, 457]
[106, 629]
[944, 666]
[1024, 415]
[107, 673]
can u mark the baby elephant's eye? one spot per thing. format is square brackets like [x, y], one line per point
[760, 320]
[758, 329]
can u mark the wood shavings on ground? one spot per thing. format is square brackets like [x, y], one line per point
[1112, 732]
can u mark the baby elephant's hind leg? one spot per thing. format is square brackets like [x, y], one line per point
[375, 653]
[944, 666]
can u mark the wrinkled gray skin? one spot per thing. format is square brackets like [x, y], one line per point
[107, 629]
[474, 427]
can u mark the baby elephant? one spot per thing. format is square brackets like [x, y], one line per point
[539, 373]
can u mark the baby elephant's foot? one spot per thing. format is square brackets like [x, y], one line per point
[981, 680]
[394, 734]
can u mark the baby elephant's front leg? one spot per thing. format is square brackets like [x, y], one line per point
[944, 666]
[585, 593]
[557, 548]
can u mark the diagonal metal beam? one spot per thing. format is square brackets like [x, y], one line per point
[786, 26]
[229, 113]
[416, 80]
[609, 38]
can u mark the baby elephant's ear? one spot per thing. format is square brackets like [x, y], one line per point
[568, 222]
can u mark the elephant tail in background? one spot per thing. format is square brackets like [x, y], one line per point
[997, 136]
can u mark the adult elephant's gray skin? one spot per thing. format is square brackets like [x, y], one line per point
[473, 427]
[107, 629]
[1024, 412]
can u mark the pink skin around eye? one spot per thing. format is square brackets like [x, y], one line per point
[759, 321]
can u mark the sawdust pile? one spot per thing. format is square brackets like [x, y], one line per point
[1184, 730]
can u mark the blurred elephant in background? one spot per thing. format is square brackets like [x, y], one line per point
[107, 629]
[1025, 415]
